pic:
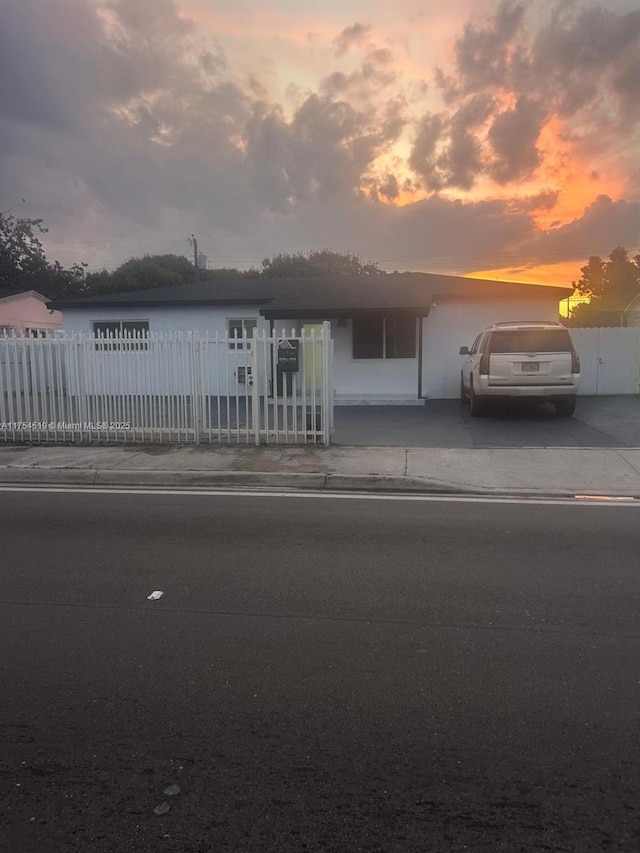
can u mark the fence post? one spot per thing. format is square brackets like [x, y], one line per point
[255, 387]
[81, 353]
[327, 382]
[196, 387]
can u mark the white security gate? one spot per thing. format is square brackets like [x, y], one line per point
[167, 388]
[609, 360]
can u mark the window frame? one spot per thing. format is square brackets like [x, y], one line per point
[476, 344]
[237, 342]
[385, 345]
[121, 342]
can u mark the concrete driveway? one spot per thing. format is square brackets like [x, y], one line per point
[598, 422]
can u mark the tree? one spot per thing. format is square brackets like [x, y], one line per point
[24, 264]
[317, 262]
[142, 274]
[610, 285]
[152, 271]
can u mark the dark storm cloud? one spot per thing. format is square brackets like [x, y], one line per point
[367, 82]
[352, 35]
[389, 189]
[603, 225]
[36, 87]
[483, 53]
[581, 63]
[446, 151]
[423, 153]
[128, 128]
[326, 150]
[575, 58]
[513, 136]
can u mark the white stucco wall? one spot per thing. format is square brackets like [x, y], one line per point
[204, 319]
[449, 325]
[452, 324]
[370, 378]
[163, 367]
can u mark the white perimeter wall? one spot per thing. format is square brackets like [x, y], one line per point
[452, 324]
[609, 360]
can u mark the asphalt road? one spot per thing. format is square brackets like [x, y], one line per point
[319, 675]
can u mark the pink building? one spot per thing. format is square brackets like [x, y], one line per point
[26, 312]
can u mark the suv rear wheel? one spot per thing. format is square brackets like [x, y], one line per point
[566, 407]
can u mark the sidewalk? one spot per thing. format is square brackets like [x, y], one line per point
[523, 471]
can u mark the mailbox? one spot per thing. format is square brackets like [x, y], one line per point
[289, 355]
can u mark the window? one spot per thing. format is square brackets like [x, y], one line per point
[384, 337]
[238, 328]
[530, 340]
[133, 330]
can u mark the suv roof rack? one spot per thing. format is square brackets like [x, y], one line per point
[528, 323]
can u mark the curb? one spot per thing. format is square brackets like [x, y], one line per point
[355, 483]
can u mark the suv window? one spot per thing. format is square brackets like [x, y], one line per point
[530, 340]
[474, 348]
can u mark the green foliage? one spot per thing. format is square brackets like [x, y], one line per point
[317, 262]
[24, 264]
[165, 270]
[152, 271]
[227, 272]
[610, 285]
[142, 274]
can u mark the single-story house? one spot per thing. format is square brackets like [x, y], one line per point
[25, 312]
[396, 336]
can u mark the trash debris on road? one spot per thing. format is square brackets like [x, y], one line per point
[157, 593]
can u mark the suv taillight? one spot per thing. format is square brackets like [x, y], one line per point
[575, 361]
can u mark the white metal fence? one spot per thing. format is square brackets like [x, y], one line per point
[167, 387]
[609, 360]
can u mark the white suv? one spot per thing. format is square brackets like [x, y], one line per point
[532, 360]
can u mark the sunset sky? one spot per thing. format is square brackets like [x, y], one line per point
[466, 136]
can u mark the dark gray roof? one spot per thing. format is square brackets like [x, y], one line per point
[316, 296]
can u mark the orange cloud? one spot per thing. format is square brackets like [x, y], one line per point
[574, 178]
[559, 275]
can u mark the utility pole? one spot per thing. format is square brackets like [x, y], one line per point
[194, 242]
